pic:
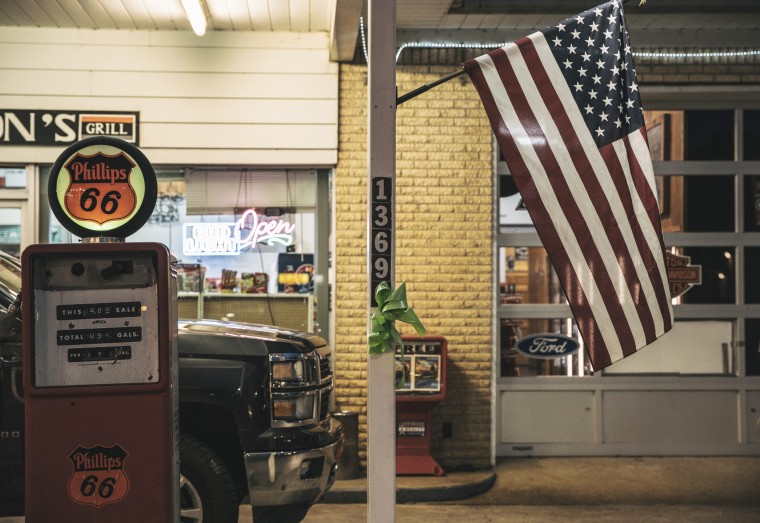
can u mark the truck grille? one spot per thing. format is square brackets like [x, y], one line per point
[324, 403]
[325, 369]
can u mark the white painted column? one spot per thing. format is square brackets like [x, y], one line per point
[381, 162]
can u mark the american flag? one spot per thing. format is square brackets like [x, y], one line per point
[564, 105]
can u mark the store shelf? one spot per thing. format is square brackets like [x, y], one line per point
[290, 311]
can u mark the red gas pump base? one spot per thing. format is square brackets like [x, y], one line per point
[421, 370]
[413, 455]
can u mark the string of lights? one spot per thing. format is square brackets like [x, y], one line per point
[728, 53]
[642, 54]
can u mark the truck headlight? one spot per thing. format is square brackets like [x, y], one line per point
[295, 389]
[295, 408]
[293, 370]
[289, 371]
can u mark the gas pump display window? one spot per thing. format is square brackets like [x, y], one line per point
[96, 320]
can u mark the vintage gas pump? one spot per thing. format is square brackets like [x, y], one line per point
[420, 386]
[100, 334]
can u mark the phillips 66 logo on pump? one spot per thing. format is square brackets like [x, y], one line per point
[100, 349]
[98, 187]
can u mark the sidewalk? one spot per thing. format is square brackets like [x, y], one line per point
[417, 489]
[718, 481]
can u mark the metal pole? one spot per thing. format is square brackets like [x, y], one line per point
[381, 162]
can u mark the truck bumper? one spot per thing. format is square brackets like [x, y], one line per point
[286, 478]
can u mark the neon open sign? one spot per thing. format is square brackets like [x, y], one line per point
[231, 238]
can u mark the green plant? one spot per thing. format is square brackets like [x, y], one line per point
[391, 306]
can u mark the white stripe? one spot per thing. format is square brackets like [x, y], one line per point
[642, 219]
[585, 203]
[559, 220]
[611, 193]
[641, 152]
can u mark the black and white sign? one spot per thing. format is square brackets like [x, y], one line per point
[43, 127]
[381, 233]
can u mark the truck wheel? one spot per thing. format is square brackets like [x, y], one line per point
[206, 491]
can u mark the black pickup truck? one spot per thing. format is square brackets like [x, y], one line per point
[254, 420]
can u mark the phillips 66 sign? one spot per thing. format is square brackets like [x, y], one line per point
[102, 186]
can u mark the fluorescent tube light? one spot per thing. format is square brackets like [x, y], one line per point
[195, 15]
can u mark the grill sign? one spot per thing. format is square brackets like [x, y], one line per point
[98, 477]
[545, 346]
[99, 188]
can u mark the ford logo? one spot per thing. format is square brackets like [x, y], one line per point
[547, 345]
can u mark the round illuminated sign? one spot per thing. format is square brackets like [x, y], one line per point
[102, 186]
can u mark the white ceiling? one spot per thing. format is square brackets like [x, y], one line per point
[685, 23]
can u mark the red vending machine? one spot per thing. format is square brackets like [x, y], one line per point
[420, 386]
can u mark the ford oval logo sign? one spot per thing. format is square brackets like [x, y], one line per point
[547, 345]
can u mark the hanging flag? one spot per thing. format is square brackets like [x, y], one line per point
[564, 105]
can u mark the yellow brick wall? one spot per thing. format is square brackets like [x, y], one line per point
[444, 191]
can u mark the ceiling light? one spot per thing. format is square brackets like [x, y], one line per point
[195, 15]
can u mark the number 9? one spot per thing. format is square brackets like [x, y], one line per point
[381, 268]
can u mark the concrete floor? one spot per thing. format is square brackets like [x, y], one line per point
[598, 490]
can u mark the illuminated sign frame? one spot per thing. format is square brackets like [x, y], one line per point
[230, 238]
[102, 187]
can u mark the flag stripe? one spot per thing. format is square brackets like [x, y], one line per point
[589, 242]
[610, 222]
[565, 217]
[568, 118]
[592, 333]
[618, 192]
[638, 156]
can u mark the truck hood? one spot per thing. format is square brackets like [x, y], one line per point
[226, 338]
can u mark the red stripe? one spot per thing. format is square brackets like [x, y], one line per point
[552, 242]
[651, 260]
[583, 166]
[561, 189]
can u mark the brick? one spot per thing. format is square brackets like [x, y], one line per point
[444, 145]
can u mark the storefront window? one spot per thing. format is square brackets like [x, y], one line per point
[691, 347]
[527, 276]
[696, 203]
[516, 364]
[238, 258]
[709, 135]
[718, 274]
[12, 178]
[752, 275]
[752, 134]
[690, 201]
[752, 346]
[752, 202]
[10, 230]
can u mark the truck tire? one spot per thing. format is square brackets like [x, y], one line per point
[207, 493]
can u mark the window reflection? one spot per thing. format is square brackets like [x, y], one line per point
[10, 231]
[527, 276]
[12, 178]
[515, 364]
[709, 135]
[751, 134]
[752, 347]
[752, 275]
[691, 347]
[752, 203]
[718, 274]
[696, 203]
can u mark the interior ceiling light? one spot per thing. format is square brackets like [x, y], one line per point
[195, 15]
